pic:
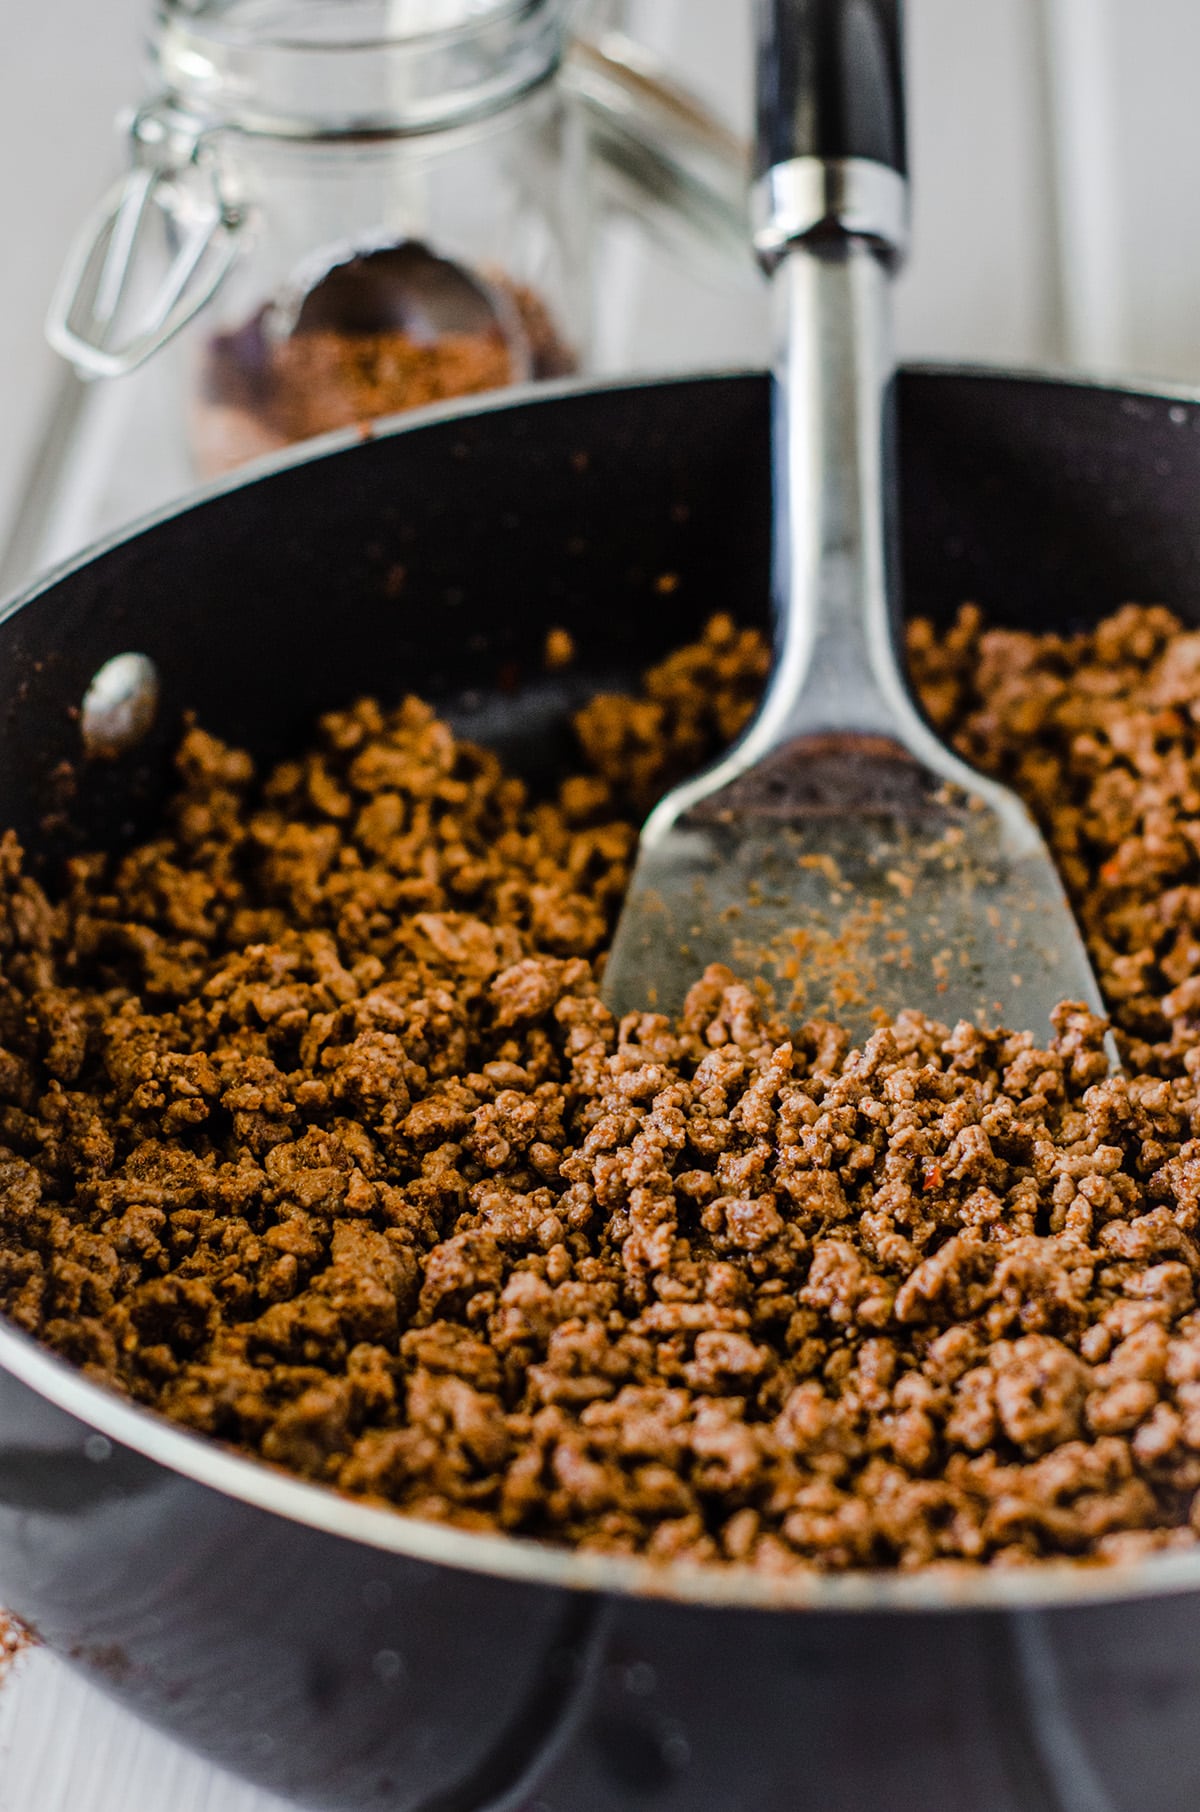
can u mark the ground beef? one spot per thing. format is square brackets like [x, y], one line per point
[316, 1137]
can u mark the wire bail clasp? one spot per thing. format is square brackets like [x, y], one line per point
[202, 225]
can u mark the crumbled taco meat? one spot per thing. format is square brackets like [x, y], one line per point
[317, 1138]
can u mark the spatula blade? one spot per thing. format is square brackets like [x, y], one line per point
[854, 882]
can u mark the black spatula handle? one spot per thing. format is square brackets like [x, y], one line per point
[830, 82]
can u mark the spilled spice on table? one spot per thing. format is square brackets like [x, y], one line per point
[15, 1638]
[257, 394]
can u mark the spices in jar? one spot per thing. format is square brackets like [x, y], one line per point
[258, 392]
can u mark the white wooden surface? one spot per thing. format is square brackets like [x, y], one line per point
[64, 1748]
[66, 67]
[1054, 143]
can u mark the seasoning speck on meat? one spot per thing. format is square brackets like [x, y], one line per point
[317, 1138]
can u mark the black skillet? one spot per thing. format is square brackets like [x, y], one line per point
[349, 1657]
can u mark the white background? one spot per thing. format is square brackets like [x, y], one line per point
[1056, 144]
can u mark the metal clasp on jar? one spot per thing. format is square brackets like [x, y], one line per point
[175, 172]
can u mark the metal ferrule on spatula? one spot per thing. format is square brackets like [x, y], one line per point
[839, 854]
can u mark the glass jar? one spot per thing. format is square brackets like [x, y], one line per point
[292, 139]
[529, 141]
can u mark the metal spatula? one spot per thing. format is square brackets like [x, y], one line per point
[839, 851]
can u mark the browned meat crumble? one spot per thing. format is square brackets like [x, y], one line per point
[319, 1140]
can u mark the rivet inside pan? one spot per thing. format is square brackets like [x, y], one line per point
[119, 705]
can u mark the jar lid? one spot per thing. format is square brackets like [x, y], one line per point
[353, 68]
